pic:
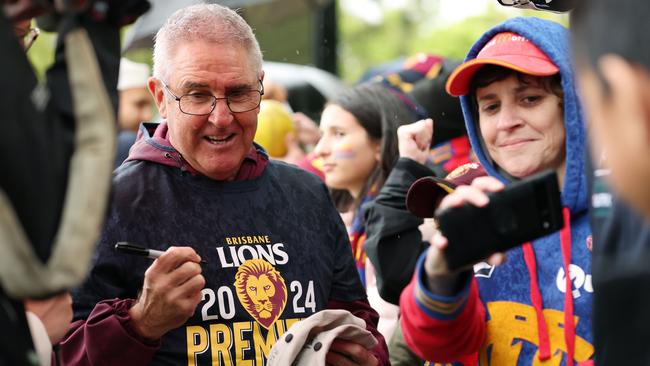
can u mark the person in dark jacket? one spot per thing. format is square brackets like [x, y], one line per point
[394, 241]
[614, 73]
[251, 246]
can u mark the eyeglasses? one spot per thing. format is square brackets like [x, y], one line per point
[549, 5]
[27, 35]
[198, 104]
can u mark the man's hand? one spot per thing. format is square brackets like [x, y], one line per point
[440, 280]
[54, 312]
[171, 291]
[347, 353]
[414, 140]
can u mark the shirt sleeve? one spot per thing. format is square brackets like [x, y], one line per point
[106, 337]
[442, 328]
[101, 333]
[394, 241]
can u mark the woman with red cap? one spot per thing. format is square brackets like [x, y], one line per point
[522, 115]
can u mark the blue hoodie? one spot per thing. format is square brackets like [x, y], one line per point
[513, 333]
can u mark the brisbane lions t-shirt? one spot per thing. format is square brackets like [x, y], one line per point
[275, 248]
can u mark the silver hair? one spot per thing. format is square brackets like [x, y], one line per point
[205, 22]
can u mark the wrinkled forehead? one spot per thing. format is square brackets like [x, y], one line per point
[205, 62]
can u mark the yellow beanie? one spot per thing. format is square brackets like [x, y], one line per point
[273, 124]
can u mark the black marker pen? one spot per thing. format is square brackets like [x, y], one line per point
[129, 248]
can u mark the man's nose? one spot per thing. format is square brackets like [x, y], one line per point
[221, 114]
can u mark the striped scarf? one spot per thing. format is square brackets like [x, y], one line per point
[357, 235]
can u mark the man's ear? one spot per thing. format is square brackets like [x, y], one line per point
[158, 93]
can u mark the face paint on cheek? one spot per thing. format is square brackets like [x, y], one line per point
[343, 152]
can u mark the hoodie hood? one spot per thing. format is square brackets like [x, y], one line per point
[152, 144]
[553, 40]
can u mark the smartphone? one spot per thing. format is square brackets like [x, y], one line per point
[523, 211]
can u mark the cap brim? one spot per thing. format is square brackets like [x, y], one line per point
[425, 194]
[460, 79]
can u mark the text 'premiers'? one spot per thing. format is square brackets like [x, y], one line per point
[239, 343]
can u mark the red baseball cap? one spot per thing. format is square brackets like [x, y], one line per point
[505, 49]
[425, 194]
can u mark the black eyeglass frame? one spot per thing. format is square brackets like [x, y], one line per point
[215, 100]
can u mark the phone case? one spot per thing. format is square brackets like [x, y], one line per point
[525, 210]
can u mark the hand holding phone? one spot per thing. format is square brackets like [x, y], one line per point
[525, 210]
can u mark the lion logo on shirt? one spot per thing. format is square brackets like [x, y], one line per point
[261, 290]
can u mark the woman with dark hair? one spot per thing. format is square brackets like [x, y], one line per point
[359, 147]
[364, 117]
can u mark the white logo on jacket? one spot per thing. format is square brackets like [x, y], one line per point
[483, 269]
[579, 280]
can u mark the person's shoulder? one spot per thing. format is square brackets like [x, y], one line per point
[128, 171]
[286, 171]
[136, 175]
[301, 183]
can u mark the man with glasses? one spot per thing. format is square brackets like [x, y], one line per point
[249, 246]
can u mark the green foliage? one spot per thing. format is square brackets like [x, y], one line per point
[455, 40]
[362, 45]
[408, 31]
[41, 54]
[402, 32]
[142, 55]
